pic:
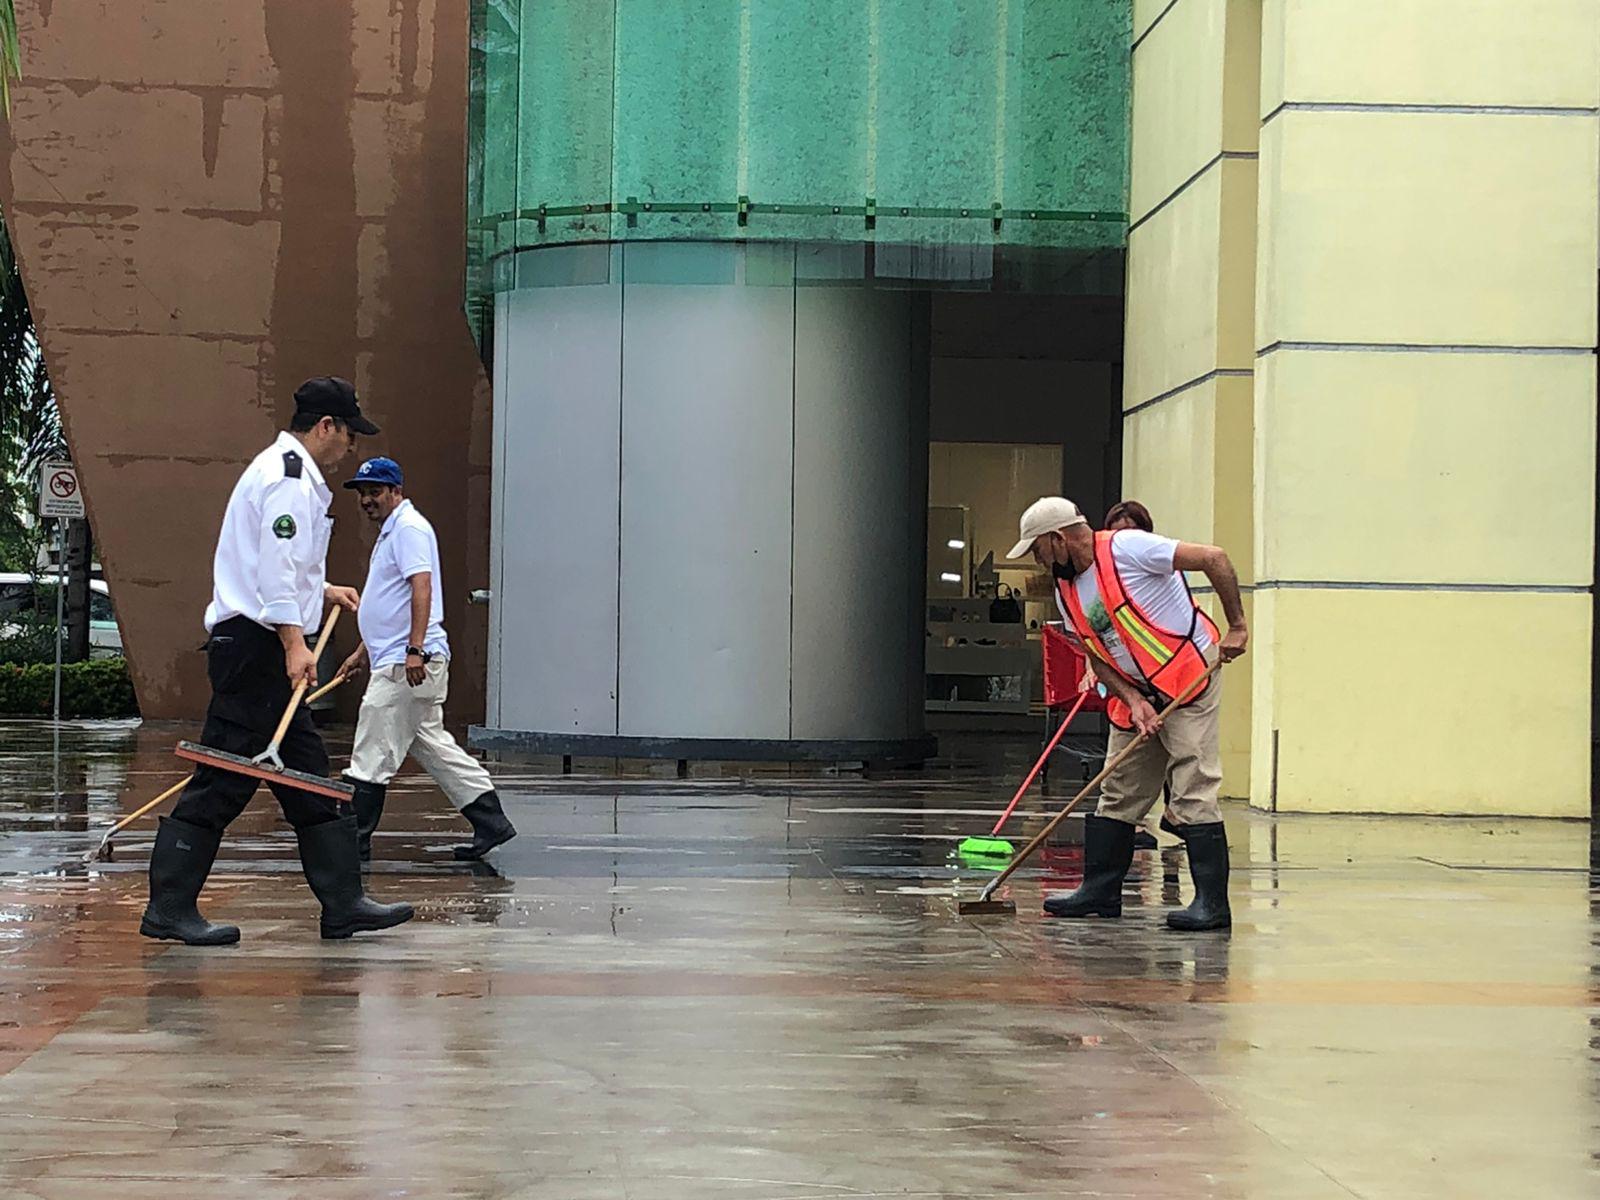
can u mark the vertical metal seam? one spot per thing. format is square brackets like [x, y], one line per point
[620, 253]
[742, 163]
[616, 72]
[872, 100]
[1003, 31]
[794, 465]
[516, 187]
[622, 305]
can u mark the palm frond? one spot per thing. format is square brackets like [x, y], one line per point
[10, 52]
[30, 424]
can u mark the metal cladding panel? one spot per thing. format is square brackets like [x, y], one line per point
[707, 469]
[559, 418]
[860, 482]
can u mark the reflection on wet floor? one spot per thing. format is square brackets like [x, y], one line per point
[754, 985]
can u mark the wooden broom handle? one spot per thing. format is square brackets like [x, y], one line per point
[1106, 770]
[140, 811]
[300, 688]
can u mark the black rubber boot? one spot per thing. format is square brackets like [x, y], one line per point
[332, 864]
[1107, 855]
[179, 865]
[1143, 839]
[1208, 867]
[368, 803]
[490, 827]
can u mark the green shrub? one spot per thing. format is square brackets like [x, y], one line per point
[29, 645]
[100, 687]
[28, 635]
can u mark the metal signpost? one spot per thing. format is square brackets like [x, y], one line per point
[60, 498]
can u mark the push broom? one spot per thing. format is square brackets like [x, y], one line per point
[985, 904]
[103, 850]
[268, 765]
[995, 846]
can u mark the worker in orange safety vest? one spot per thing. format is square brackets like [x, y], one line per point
[1125, 596]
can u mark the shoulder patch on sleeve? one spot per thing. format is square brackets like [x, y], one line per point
[291, 465]
[284, 526]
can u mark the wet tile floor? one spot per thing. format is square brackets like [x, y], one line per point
[756, 987]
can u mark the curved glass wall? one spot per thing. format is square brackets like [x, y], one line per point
[988, 125]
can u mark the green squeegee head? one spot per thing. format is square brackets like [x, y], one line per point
[986, 847]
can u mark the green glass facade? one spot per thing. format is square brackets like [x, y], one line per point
[922, 123]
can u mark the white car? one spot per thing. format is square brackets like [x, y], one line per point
[18, 593]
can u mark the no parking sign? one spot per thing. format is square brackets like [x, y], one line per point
[58, 491]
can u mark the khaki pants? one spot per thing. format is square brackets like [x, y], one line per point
[1186, 754]
[397, 718]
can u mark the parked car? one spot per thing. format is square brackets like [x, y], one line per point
[20, 592]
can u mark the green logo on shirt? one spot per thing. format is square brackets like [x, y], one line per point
[284, 526]
[1097, 618]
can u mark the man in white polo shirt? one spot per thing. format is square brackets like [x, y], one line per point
[403, 640]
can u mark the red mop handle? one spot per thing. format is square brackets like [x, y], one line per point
[1038, 766]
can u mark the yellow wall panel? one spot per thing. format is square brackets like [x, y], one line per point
[1273, 16]
[1172, 294]
[1236, 274]
[1428, 228]
[1466, 52]
[1168, 457]
[1145, 13]
[1392, 701]
[1191, 293]
[1177, 101]
[1241, 85]
[1270, 215]
[1236, 700]
[1263, 693]
[1426, 467]
[1188, 460]
[1233, 449]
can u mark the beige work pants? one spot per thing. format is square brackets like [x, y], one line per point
[1186, 754]
[397, 719]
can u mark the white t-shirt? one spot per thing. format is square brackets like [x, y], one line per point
[1144, 562]
[406, 546]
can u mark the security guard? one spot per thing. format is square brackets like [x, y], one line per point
[268, 595]
[403, 642]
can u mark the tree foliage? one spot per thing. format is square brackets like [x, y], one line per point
[30, 425]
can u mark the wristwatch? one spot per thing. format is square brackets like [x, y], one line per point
[420, 653]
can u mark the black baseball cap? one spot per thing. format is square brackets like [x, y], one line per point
[330, 396]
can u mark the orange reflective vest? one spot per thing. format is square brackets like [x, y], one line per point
[1168, 661]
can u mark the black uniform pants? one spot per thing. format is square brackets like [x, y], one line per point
[249, 691]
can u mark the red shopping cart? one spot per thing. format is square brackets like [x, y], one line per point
[1066, 681]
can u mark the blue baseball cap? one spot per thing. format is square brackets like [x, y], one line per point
[378, 470]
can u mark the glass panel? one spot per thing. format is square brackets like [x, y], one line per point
[957, 126]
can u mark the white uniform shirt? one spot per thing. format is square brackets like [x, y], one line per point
[1144, 561]
[406, 546]
[271, 558]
